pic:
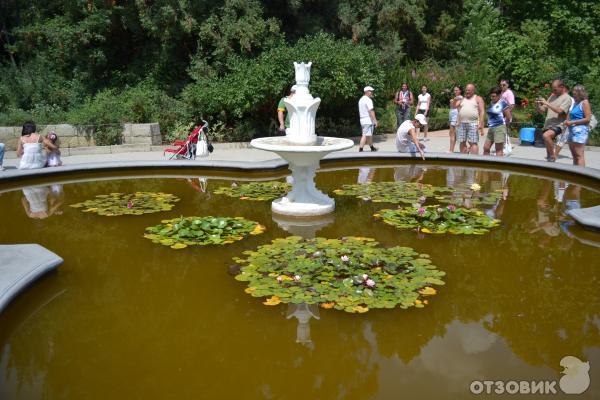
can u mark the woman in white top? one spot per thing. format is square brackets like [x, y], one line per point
[31, 148]
[424, 100]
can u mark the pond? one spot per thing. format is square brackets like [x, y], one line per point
[125, 317]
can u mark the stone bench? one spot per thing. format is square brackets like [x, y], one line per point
[20, 266]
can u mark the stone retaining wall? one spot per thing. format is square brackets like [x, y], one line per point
[73, 136]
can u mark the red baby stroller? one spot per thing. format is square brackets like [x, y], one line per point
[186, 149]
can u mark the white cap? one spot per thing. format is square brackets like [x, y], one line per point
[421, 118]
[368, 88]
[293, 88]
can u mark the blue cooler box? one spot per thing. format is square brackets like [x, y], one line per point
[527, 136]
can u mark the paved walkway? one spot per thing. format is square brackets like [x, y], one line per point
[438, 142]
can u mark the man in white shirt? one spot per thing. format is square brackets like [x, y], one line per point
[368, 122]
[407, 140]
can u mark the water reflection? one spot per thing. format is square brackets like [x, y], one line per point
[409, 173]
[304, 227]
[41, 202]
[199, 184]
[365, 175]
[303, 313]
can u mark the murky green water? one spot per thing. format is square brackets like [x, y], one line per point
[124, 318]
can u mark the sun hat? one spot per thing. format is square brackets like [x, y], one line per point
[421, 119]
[368, 88]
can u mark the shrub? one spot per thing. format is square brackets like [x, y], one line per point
[246, 98]
[439, 79]
[139, 104]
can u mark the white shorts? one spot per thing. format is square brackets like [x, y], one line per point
[367, 130]
[453, 116]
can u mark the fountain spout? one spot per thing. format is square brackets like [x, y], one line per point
[302, 108]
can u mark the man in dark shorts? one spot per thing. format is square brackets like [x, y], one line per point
[556, 108]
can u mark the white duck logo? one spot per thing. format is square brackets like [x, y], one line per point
[576, 379]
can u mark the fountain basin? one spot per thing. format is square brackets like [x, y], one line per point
[121, 292]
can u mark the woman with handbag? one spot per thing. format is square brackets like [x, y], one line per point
[403, 100]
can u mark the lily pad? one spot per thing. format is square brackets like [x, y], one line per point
[438, 220]
[352, 274]
[137, 203]
[393, 192]
[256, 191]
[178, 233]
[419, 193]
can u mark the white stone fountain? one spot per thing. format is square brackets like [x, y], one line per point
[303, 150]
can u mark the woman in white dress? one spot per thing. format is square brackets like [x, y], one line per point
[31, 148]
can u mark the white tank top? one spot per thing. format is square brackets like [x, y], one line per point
[468, 111]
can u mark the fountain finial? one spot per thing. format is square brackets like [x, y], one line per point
[302, 73]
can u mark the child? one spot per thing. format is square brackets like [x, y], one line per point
[54, 155]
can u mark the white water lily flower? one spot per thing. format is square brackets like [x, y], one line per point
[475, 187]
[345, 259]
[297, 277]
[365, 277]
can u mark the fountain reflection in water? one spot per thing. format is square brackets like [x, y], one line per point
[303, 150]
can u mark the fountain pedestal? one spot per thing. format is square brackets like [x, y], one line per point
[303, 150]
[304, 200]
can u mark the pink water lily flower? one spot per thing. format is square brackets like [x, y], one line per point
[129, 204]
[421, 211]
[279, 279]
[370, 282]
[422, 199]
[345, 258]
[451, 207]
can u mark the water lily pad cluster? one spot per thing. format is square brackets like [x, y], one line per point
[438, 220]
[137, 203]
[352, 274]
[256, 191]
[471, 198]
[419, 193]
[393, 192]
[181, 232]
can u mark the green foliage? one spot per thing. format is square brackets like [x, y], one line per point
[251, 91]
[138, 203]
[440, 80]
[351, 274]
[255, 191]
[439, 220]
[105, 63]
[181, 232]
